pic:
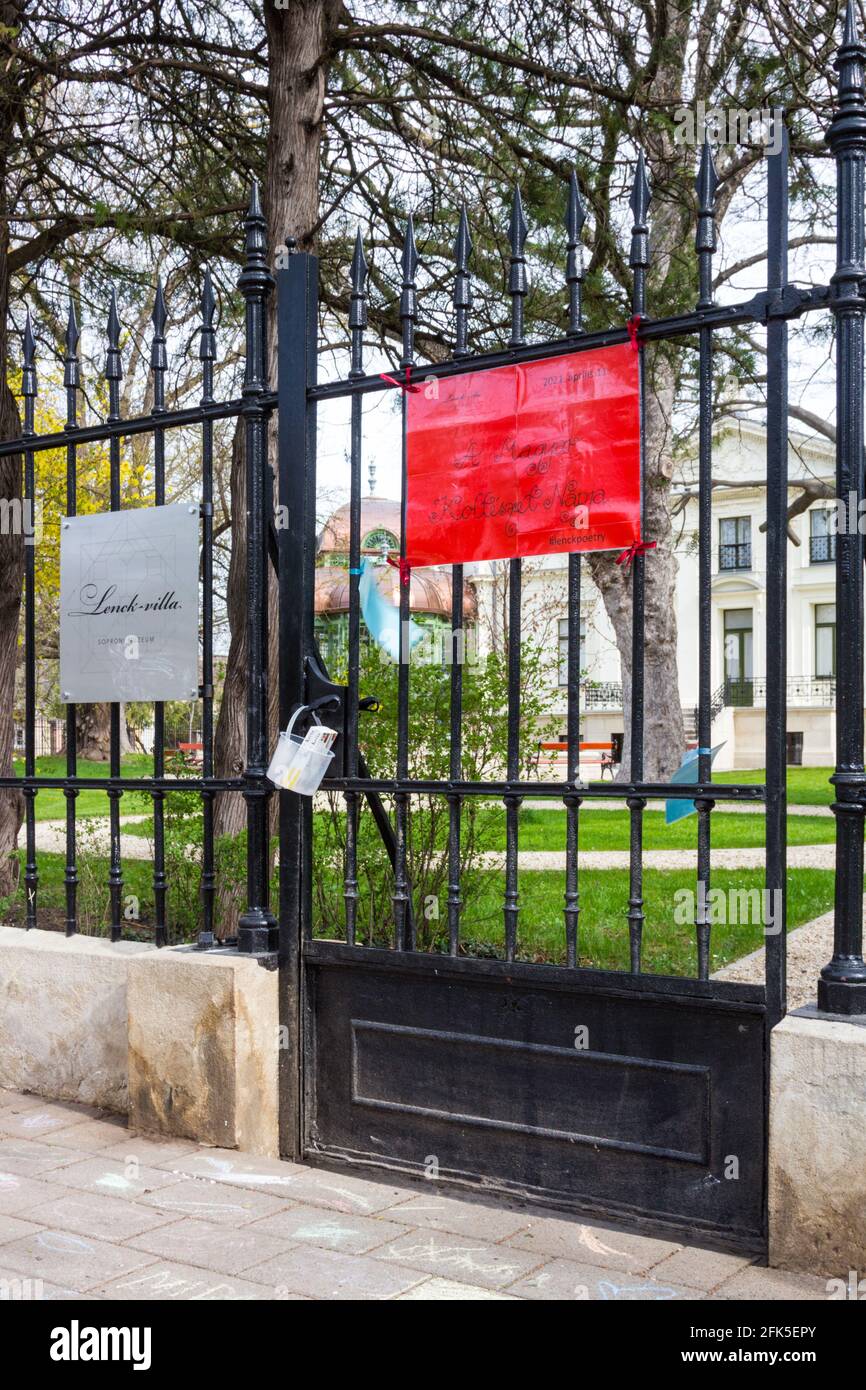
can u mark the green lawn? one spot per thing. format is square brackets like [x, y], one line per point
[807, 786]
[603, 932]
[51, 803]
[609, 830]
[669, 948]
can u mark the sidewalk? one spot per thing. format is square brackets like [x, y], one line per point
[94, 1212]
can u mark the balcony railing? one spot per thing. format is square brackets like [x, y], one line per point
[600, 695]
[818, 692]
[822, 549]
[737, 556]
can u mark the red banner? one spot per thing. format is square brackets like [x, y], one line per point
[533, 459]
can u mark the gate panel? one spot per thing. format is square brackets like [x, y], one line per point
[479, 1069]
[570, 1089]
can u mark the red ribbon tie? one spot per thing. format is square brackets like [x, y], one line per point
[405, 385]
[636, 548]
[402, 565]
[632, 328]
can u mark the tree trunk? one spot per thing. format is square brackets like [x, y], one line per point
[93, 733]
[298, 45]
[664, 733]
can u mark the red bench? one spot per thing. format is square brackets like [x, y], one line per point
[606, 761]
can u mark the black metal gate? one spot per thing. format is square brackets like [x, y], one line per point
[620, 1092]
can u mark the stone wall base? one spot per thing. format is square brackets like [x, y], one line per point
[817, 1189]
[185, 1042]
[203, 1048]
[63, 1015]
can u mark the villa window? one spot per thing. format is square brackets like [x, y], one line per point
[822, 540]
[825, 640]
[735, 543]
[563, 650]
[380, 540]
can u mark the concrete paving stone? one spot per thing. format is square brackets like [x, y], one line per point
[772, 1284]
[18, 1192]
[54, 1293]
[699, 1269]
[94, 1136]
[165, 1281]
[464, 1216]
[459, 1258]
[14, 1227]
[18, 1100]
[211, 1201]
[38, 1120]
[30, 1157]
[224, 1249]
[115, 1178]
[354, 1235]
[589, 1242]
[330, 1274]
[343, 1191]
[18, 1288]
[91, 1213]
[447, 1291]
[239, 1170]
[150, 1149]
[78, 1261]
[567, 1280]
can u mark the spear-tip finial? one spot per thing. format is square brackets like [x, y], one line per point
[72, 330]
[463, 242]
[28, 373]
[158, 357]
[113, 368]
[640, 192]
[576, 215]
[410, 253]
[517, 227]
[70, 370]
[207, 340]
[359, 265]
[256, 242]
[707, 180]
[159, 316]
[208, 300]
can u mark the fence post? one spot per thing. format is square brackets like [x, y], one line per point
[257, 927]
[297, 342]
[842, 985]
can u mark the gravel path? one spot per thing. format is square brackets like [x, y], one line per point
[799, 857]
[809, 949]
[51, 837]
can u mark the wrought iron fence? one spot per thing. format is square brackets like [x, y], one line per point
[843, 982]
[254, 407]
[842, 987]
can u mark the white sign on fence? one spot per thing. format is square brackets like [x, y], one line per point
[129, 605]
